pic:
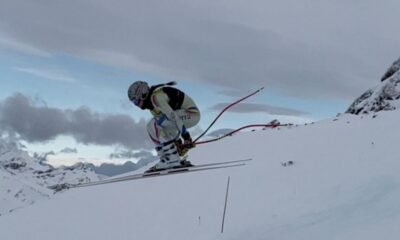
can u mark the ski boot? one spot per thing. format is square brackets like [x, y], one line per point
[169, 158]
[185, 162]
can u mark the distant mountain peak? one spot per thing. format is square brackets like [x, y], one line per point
[383, 97]
[392, 70]
[26, 180]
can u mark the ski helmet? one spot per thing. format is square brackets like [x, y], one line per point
[138, 92]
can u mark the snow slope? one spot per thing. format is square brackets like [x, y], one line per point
[344, 184]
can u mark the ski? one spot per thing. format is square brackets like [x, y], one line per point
[195, 168]
[220, 163]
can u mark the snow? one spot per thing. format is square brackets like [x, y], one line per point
[343, 184]
[25, 180]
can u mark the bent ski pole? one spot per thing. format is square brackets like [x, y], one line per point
[226, 108]
[269, 125]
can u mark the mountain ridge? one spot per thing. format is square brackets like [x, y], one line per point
[383, 97]
[26, 180]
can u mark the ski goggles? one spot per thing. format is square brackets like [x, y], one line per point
[137, 102]
[139, 99]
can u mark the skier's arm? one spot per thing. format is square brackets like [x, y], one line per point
[160, 101]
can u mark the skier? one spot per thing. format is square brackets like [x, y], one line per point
[173, 113]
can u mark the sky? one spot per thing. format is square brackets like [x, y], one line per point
[65, 66]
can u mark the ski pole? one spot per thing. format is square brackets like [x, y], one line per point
[226, 108]
[241, 128]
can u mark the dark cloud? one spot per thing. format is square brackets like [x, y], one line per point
[69, 150]
[323, 49]
[254, 107]
[36, 123]
[233, 93]
[19, 114]
[43, 156]
[128, 154]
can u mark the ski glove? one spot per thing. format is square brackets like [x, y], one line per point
[187, 140]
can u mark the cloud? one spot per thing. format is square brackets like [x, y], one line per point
[68, 150]
[36, 123]
[263, 108]
[322, 51]
[43, 156]
[47, 74]
[129, 154]
[8, 43]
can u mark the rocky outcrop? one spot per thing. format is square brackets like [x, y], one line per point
[384, 97]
